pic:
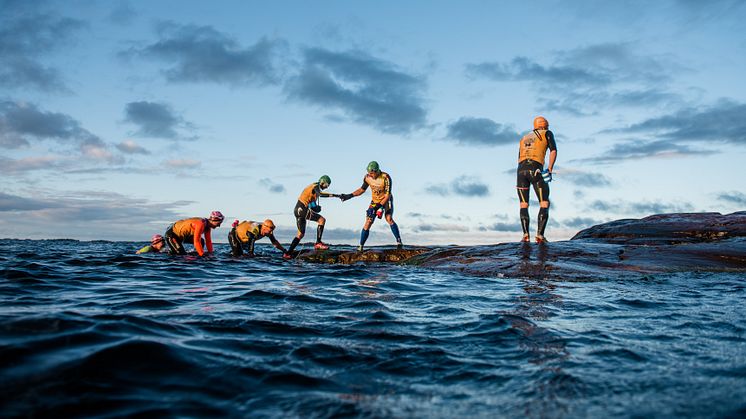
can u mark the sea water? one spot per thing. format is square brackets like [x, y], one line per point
[91, 329]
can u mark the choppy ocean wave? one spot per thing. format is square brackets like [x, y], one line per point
[90, 329]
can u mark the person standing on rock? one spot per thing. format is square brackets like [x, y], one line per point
[382, 202]
[308, 208]
[531, 156]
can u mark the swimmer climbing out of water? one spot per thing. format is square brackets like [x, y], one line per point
[156, 245]
[308, 208]
[192, 230]
[382, 202]
[243, 236]
[531, 156]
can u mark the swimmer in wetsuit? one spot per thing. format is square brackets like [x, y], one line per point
[531, 155]
[244, 235]
[382, 202]
[308, 208]
[191, 230]
[156, 245]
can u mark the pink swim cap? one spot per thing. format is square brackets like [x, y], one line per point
[156, 239]
[216, 216]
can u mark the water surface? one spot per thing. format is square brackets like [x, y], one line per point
[90, 329]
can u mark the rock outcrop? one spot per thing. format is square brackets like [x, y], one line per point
[664, 229]
[659, 243]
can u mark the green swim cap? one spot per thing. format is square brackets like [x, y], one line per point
[373, 167]
[325, 180]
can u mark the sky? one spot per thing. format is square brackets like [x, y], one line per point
[118, 118]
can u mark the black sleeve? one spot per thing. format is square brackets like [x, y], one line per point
[365, 185]
[550, 140]
[275, 242]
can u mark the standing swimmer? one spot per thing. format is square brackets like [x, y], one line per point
[192, 229]
[245, 234]
[308, 208]
[381, 202]
[531, 155]
[155, 246]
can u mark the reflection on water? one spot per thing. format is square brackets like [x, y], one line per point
[91, 329]
[547, 350]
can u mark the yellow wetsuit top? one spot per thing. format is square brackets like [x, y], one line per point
[246, 228]
[251, 231]
[533, 146]
[380, 187]
[194, 228]
[147, 249]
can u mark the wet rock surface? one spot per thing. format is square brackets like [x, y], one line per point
[369, 255]
[669, 229]
[659, 243]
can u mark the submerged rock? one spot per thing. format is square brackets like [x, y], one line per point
[659, 243]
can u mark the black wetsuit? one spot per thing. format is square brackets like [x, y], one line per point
[302, 214]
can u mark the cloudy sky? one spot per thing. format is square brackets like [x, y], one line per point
[120, 117]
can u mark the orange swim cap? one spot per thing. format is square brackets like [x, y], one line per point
[541, 123]
[269, 224]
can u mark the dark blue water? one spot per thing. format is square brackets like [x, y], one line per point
[90, 329]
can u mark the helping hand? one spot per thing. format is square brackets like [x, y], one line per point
[345, 196]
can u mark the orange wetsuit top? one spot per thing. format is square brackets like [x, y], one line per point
[380, 187]
[311, 193]
[533, 146]
[194, 228]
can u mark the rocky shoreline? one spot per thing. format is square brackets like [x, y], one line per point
[683, 242]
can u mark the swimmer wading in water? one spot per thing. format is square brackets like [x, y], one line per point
[191, 230]
[244, 235]
[156, 245]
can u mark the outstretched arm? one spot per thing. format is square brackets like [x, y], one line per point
[276, 243]
[357, 192]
